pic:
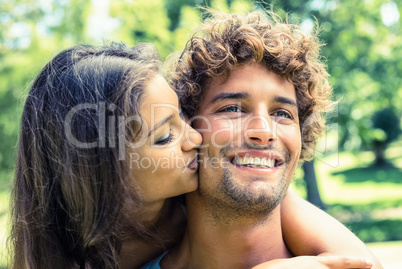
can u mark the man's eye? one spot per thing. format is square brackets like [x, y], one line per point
[283, 114]
[231, 109]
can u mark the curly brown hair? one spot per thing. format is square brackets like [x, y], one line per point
[225, 41]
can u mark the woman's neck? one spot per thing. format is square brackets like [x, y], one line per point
[166, 220]
[154, 212]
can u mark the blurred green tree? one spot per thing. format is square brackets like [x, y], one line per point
[385, 130]
[31, 31]
[17, 20]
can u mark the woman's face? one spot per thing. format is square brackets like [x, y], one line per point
[165, 162]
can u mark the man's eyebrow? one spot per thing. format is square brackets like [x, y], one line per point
[231, 95]
[284, 100]
[161, 123]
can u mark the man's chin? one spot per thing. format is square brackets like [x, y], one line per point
[253, 191]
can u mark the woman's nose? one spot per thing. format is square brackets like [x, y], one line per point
[192, 139]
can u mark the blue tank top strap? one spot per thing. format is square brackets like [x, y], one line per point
[155, 263]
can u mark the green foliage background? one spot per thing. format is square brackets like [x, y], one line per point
[362, 50]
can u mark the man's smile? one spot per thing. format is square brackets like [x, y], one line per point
[260, 159]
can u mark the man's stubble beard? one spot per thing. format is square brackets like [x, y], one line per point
[231, 201]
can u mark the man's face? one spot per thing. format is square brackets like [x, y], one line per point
[251, 139]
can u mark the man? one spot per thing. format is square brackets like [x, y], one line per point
[253, 88]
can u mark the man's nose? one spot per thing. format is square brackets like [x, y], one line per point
[259, 130]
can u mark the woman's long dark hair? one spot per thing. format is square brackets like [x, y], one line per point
[71, 181]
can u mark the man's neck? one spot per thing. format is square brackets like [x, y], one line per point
[241, 243]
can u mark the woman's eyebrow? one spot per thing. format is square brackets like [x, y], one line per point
[160, 124]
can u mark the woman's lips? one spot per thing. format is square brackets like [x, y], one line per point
[194, 164]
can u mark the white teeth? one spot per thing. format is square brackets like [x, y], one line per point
[255, 162]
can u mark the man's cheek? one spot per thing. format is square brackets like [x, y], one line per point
[224, 133]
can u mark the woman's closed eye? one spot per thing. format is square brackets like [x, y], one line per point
[165, 139]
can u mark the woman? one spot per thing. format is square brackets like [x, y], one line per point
[77, 194]
[102, 147]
